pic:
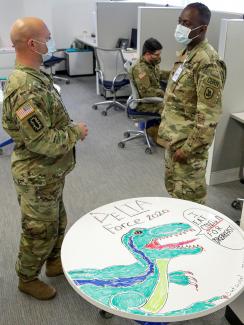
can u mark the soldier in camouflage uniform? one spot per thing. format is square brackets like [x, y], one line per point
[192, 106]
[35, 117]
[147, 75]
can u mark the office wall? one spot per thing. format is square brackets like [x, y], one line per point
[229, 136]
[160, 23]
[70, 18]
[65, 18]
[115, 20]
[9, 12]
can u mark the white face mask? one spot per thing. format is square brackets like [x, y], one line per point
[50, 49]
[182, 34]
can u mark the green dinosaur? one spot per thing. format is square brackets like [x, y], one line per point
[143, 287]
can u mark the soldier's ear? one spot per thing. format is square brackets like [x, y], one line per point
[31, 43]
[204, 28]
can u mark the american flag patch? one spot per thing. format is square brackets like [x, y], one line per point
[24, 111]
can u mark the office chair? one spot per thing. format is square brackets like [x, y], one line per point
[50, 64]
[4, 144]
[111, 75]
[142, 118]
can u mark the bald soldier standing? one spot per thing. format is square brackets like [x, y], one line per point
[35, 117]
[192, 106]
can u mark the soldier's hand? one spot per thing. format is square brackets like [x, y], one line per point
[179, 156]
[84, 130]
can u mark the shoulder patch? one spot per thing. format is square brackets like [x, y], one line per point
[24, 111]
[35, 123]
[213, 82]
[208, 93]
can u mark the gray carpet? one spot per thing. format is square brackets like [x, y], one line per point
[104, 173]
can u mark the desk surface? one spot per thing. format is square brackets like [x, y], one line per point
[130, 55]
[155, 259]
[238, 116]
[88, 40]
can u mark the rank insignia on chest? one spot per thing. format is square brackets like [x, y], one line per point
[35, 123]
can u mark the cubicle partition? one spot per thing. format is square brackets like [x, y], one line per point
[226, 156]
[160, 22]
[115, 20]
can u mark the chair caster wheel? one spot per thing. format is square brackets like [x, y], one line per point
[104, 113]
[236, 205]
[121, 145]
[105, 314]
[94, 107]
[126, 134]
[148, 150]
[67, 82]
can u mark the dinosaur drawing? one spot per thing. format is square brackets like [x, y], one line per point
[142, 287]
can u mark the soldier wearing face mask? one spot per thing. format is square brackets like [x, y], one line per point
[147, 75]
[192, 106]
[45, 137]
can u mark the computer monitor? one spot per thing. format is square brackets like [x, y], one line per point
[133, 39]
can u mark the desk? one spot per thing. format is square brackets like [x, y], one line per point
[130, 56]
[87, 40]
[155, 259]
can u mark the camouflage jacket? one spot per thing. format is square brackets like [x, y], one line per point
[147, 79]
[193, 99]
[36, 119]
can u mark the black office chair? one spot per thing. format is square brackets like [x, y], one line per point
[50, 64]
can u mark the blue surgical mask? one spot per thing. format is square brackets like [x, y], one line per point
[50, 49]
[182, 34]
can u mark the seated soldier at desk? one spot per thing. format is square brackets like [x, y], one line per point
[148, 79]
[148, 76]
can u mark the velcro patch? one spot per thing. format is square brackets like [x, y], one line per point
[213, 82]
[35, 123]
[208, 94]
[142, 75]
[24, 111]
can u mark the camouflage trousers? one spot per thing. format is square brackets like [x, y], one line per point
[187, 180]
[43, 225]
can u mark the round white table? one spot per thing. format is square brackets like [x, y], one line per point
[155, 259]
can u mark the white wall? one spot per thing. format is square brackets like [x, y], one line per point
[65, 18]
[10, 10]
[70, 18]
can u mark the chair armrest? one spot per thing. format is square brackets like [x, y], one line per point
[100, 75]
[145, 100]
[151, 100]
[118, 76]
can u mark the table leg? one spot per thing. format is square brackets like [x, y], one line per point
[151, 323]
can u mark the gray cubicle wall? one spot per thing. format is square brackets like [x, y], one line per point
[115, 20]
[229, 135]
[160, 22]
